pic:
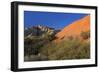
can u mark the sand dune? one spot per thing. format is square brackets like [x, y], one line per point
[75, 28]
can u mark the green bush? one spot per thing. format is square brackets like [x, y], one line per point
[32, 45]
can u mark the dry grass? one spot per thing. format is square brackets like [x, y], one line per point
[68, 49]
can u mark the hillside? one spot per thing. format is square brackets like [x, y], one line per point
[75, 28]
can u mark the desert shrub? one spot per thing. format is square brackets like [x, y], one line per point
[27, 41]
[68, 49]
[33, 44]
[84, 50]
[85, 34]
[31, 47]
[70, 37]
[48, 36]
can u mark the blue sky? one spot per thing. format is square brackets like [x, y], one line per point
[50, 19]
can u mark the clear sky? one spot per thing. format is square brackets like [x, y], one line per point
[50, 19]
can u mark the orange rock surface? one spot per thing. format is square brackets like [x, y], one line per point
[75, 28]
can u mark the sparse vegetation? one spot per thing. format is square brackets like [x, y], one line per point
[70, 49]
[43, 47]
